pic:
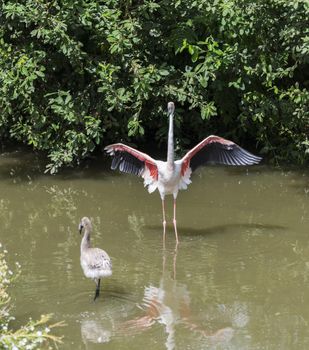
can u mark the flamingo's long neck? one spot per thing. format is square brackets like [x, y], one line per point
[170, 142]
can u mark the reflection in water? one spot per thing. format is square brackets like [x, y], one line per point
[169, 305]
[94, 331]
[166, 305]
[136, 225]
[5, 213]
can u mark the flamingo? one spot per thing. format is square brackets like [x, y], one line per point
[95, 262]
[171, 176]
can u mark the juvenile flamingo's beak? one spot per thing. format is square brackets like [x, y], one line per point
[80, 228]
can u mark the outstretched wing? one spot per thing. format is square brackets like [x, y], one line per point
[217, 150]
[132, 161]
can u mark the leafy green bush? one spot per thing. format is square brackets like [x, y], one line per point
[76, 75]
[259, 59]
[34, 333]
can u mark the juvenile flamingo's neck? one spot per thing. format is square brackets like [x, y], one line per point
[85, 244]
[170, 141]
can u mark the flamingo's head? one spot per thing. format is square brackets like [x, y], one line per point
[85, 223]
[170, 108]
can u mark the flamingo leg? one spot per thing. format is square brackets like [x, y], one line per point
[97, 291]
[175, 223]
[164, 222]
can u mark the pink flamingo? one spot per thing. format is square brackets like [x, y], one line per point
[171, 176]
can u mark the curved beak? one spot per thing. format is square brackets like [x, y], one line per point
[80, 228]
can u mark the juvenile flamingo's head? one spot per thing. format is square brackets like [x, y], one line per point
[85, 223]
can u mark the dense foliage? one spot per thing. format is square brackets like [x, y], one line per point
[78, 74]
[34, 334]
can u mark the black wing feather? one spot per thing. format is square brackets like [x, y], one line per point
[218, 153]
[127, 163]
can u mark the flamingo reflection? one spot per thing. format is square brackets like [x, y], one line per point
[94, 331]
[169, 305]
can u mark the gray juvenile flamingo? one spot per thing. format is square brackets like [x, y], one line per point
[95, 262]
[171, 176]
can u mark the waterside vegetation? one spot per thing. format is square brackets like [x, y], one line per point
[76, 75]
[32, 335]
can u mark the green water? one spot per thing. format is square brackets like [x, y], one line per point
[237, 280]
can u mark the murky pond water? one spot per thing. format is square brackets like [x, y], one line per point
[238, 279]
